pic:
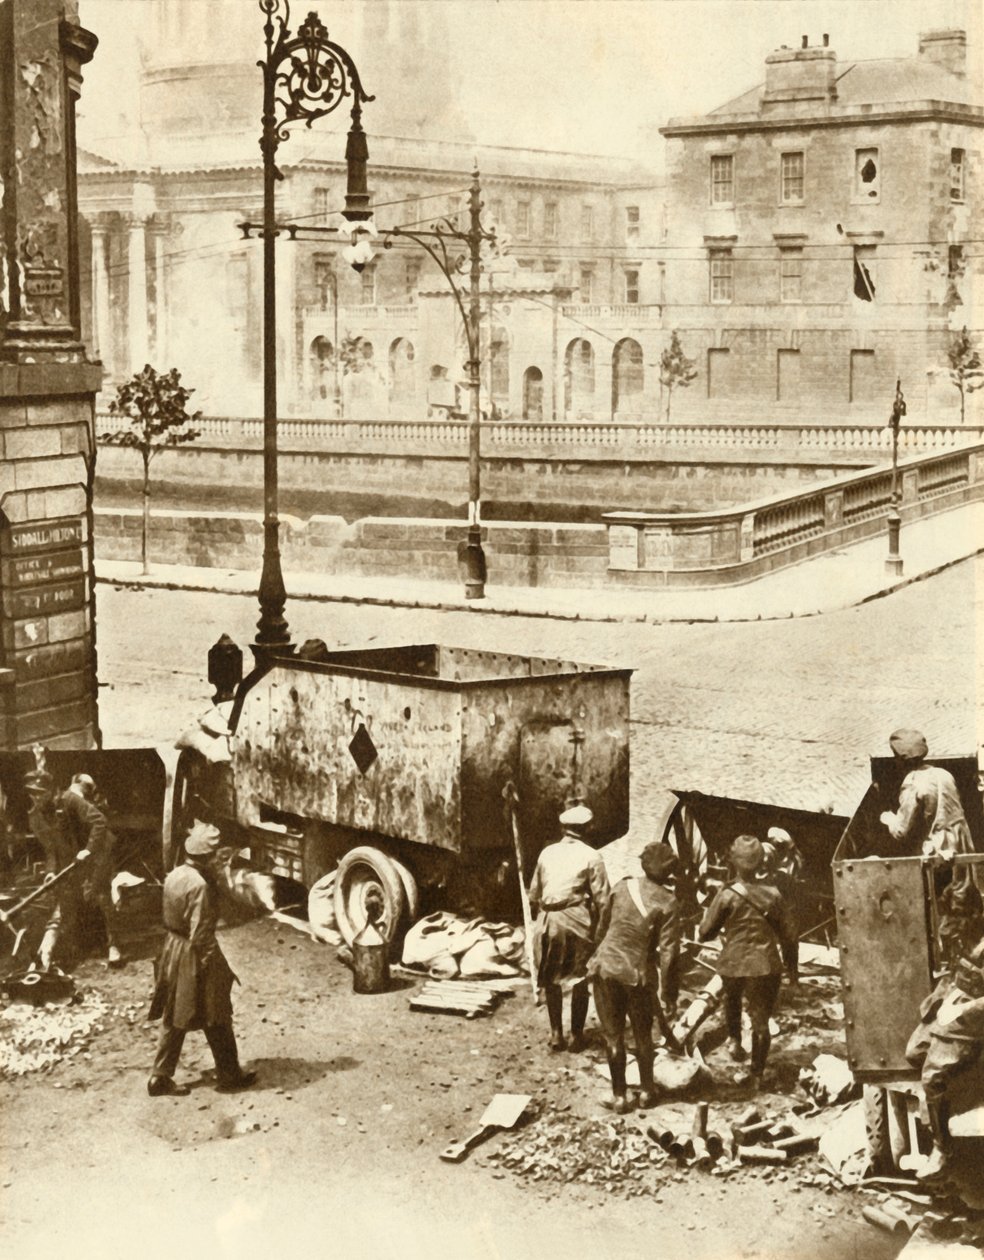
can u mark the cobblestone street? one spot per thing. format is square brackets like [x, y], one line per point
[783, 711]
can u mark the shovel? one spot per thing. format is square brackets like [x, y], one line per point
[502, 1113]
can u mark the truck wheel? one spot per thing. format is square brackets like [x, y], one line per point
[365, 874]
[410, 890]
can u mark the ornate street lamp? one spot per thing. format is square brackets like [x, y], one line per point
[439, 241]
[305, 77]
[893, 562]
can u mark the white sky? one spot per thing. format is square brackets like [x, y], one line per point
[588, 75]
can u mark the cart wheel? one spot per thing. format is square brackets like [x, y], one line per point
[367, 874]
[410, 891]
[182, 810]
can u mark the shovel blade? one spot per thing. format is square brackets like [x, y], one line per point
[501, 1113]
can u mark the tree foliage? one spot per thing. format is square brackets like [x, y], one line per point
[676, 371]
[354, 354]
[155, 407]
[966, 369]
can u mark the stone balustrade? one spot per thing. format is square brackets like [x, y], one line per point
[584, 440]
[734, 545]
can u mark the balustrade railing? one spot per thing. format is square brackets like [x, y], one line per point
[519, 437]
[735, 544]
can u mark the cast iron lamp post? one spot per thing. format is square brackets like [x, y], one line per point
[305, 77]
[893, 562]
[439, 241]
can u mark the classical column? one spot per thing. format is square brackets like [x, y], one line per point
[159, 231]
[287, 338]
[137, 329]
[102, 336]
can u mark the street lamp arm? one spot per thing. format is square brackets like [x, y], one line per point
[441, 256]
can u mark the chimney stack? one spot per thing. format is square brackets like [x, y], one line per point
[801, 74]
[947, 49]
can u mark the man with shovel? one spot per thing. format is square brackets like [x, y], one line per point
[644, 915]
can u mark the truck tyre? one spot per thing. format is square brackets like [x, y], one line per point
[365, 873]
[410, 891]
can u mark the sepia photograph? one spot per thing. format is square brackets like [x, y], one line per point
[492, 629]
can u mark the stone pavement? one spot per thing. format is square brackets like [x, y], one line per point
[836, 580]
[784, 710]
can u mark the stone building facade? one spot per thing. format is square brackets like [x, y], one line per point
[825, 233]
[171, 279]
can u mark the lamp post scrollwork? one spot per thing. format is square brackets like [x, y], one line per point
[305, 77]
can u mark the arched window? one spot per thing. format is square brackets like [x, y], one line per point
[628, 378]
[579, 380]
[402, 385]
[321, 359]
[533, 394]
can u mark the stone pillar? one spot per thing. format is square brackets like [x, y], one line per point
[138, 346]
[287, 328]
[159, 231]
[47, 390]
[102, 332]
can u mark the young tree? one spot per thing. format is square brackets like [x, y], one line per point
[675, 369]
[154, 405]
[966, 369]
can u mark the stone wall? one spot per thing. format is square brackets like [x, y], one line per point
[518, 555]
[365, 484]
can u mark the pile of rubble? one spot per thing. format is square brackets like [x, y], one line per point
[613, 1155]
[38, 1038]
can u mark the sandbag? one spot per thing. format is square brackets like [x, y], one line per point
[321, 910]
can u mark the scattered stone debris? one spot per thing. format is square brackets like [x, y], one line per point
[614, 1155]
[38, 1038]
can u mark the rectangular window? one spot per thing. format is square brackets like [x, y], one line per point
[863, 388]
[412, 277]
[866, 175]
[722, 179]
[957, 174]
[324, 279]
[787, 375]
[791, 178]
[631, 286]
[718, 372]
[864, 272]
[495, 213]
[722, 276]
[368, 295]
[586, 285]
[550, 220]
[522, 218]
[632, 220]
[587, 223]
[955, 261]
[322, 204]
[791, 275]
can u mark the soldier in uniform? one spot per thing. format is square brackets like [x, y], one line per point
[571, 894]
[87, 833]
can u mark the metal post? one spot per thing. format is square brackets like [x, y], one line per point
[271, 629]
[474, 556]
[893, 562]
[335, 354]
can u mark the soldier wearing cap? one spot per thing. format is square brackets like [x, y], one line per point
[759, 940]
[193, 979]
[571, 895]
[930, 821]
[61, 932]
[644, 925]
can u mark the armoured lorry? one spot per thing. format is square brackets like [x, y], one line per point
[416, 772]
